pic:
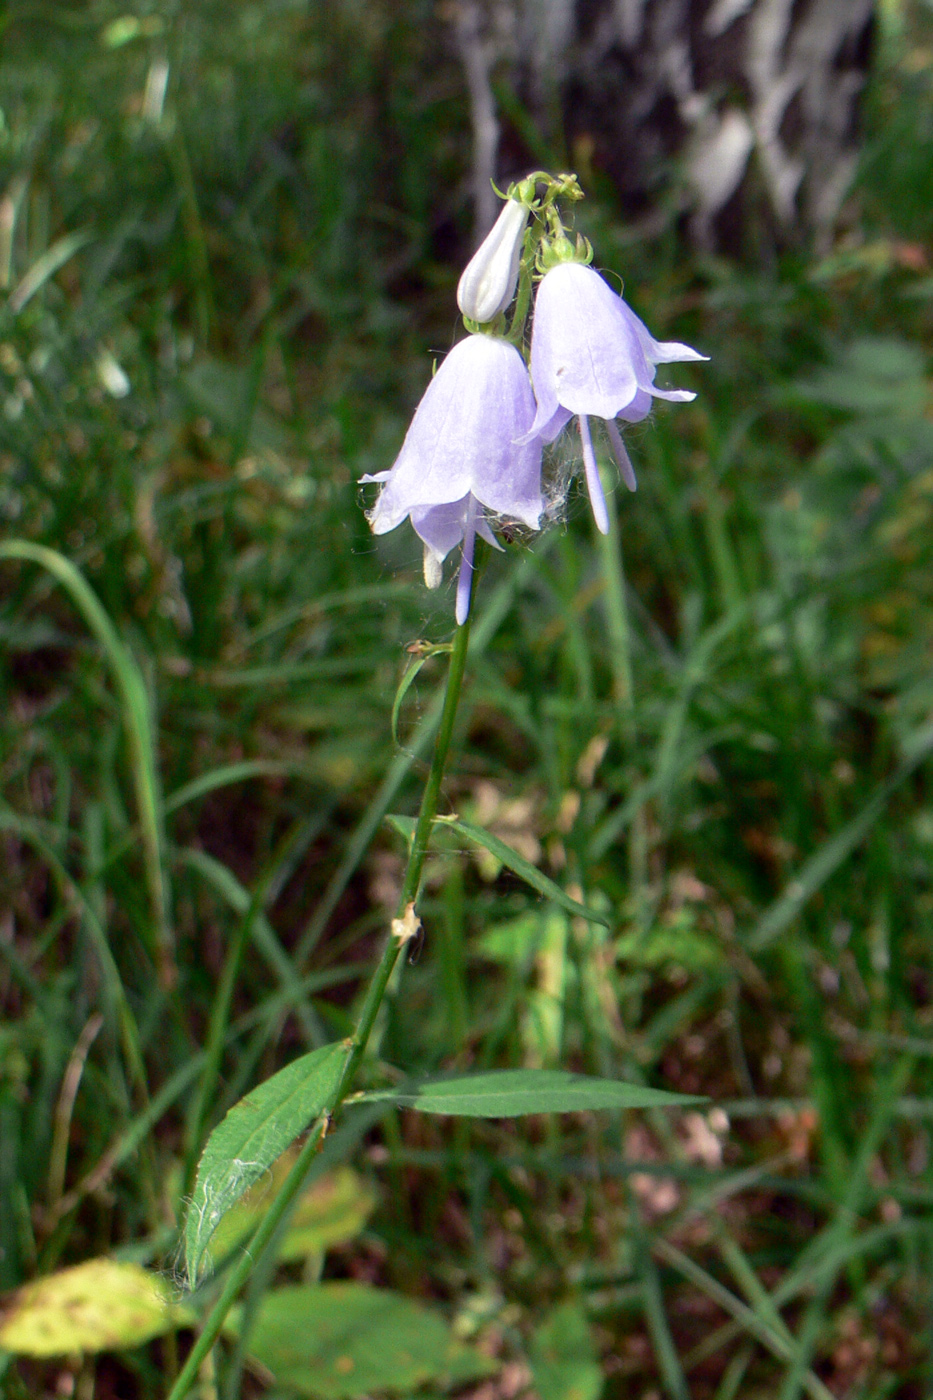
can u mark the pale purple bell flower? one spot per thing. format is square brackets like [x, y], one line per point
[592, 356]
[469, 450]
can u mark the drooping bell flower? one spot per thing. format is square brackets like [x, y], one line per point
[469, 451]
[592, 356]
[488, 282]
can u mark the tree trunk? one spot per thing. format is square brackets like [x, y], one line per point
[722, 110]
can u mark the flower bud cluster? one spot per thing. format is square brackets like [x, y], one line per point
[473, 452]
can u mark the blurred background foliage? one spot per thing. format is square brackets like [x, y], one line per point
[229, 240]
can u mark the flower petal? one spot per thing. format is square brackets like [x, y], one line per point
[619, 451]
[554, 426]
[584, 355]
[440, 527]
[639, 408]
[593, 483]
[658, 352]
[469, 435]
[673, 395]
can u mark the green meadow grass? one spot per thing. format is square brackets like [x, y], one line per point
[715, 727]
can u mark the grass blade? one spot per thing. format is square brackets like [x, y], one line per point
[137, 717]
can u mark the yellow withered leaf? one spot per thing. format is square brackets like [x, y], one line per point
[101, 1305]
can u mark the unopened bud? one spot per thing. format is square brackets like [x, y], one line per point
[112, 375]
[488, 282]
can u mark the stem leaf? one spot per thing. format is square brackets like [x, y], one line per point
[403, 687]
[511, 859]
[253, 1134]
[509, 1093]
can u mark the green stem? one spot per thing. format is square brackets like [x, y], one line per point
[247, 1261]
[522, 302]
[293, 1183]
[416, 859]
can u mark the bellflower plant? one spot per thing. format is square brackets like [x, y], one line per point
[469, 450]
[592, 356]
[472, 456]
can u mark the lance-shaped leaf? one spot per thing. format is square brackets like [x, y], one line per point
[250, 1138]
[510, 859]
[509, 1093]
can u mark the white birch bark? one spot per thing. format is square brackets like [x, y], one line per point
[746, 105]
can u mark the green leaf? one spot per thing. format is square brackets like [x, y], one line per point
[406, 682]
[253, 1134]
[339, 1341]
[680, 940]
[563, 1357]
[400, 694]
[515, 941]
[508, 1093]
[510, 858]
[223, 391]
[332, 1212]
[100, 1305]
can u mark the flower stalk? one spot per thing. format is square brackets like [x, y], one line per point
[268, 1227]
[419, 849]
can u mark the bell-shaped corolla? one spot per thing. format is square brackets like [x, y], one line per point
[592, 356]
[469, 453]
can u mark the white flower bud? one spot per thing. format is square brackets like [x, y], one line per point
[112, 375]
[488, 282]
